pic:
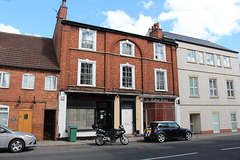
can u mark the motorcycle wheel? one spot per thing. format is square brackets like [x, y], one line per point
[99, 140]
[124, 140]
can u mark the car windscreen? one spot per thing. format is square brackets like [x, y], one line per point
[9, 128]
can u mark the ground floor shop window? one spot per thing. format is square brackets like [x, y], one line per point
[158, 112]
[82, 118]
[4, 111]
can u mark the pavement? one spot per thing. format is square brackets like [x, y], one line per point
[49, 143]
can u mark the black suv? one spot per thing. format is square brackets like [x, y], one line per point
[162, 130]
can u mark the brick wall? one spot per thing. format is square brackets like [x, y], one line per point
[108, 60]
[44, 99]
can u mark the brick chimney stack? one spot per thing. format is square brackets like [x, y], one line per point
[62, 13]
[156, 31]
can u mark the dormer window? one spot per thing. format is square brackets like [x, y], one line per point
[159, 51]
[127, 48]
[87, 39]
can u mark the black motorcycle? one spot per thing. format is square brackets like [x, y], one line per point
[103, 136]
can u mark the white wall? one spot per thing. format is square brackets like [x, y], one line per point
[204, 104]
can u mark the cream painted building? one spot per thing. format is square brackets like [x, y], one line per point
[209, 86]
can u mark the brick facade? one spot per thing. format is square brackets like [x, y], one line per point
[44, 99]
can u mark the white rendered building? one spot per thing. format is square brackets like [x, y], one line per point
[209, 86]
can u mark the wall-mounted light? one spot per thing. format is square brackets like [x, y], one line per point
[19, 100]
[34, 102]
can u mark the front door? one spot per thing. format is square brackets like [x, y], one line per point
[25, 120]
[127, 120]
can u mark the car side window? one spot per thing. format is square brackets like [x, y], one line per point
[173, 125]
[163, 125]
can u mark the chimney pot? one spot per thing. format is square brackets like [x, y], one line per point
[64, 3]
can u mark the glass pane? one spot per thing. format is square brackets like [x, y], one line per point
[215, 118]
[4, 119]
[196, 91]
[195, 82]
[191, 82]
[191, 91]
[47, 83]
[234, 126]
[25, 80]
[87, 40]
[31, 81]
[233, 117]
[216, 127]
[54, 83]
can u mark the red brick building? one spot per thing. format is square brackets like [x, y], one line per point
[112, 77]
[28, 84]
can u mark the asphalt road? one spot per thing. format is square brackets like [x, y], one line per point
[220, 148]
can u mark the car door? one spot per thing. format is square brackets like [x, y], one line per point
[174, 130]
[3, 138]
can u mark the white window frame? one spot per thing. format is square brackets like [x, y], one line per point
[121, 75]
[165, 79]
[226, 62]
[234, 122]
[210, 59]
[51, 86]
[81, 30]
[80, 61]
[1, 79]
[191, 56]
[213, 89]
[218, 59]
[156, 55]
[7, 111]
[201, 56]
[230, 90]
[193, 87]
[132, 48]
[28, 75]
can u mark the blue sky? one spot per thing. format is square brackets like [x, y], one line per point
[214, 20]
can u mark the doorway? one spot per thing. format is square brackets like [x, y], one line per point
[49, 124]
[25, 120]
[127, 120]
[104, 115]
[195, 123]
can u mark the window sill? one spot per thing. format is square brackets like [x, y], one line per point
[126, 55]
[160, 60]
[50, 90]
[194, 96]
[231, 97]
[191, 62]
[228, 67]
[214, 97]
[28, 89]
[212, 65]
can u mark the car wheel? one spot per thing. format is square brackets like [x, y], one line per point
[161, 137]
[188, 136]
[16, 145]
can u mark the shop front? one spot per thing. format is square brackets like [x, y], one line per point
[158, 109]
[84, 110]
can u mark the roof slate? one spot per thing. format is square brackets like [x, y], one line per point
[29, 52]
[197, 41]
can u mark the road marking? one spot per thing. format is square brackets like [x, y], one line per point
[178, 155]
[226, 149]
